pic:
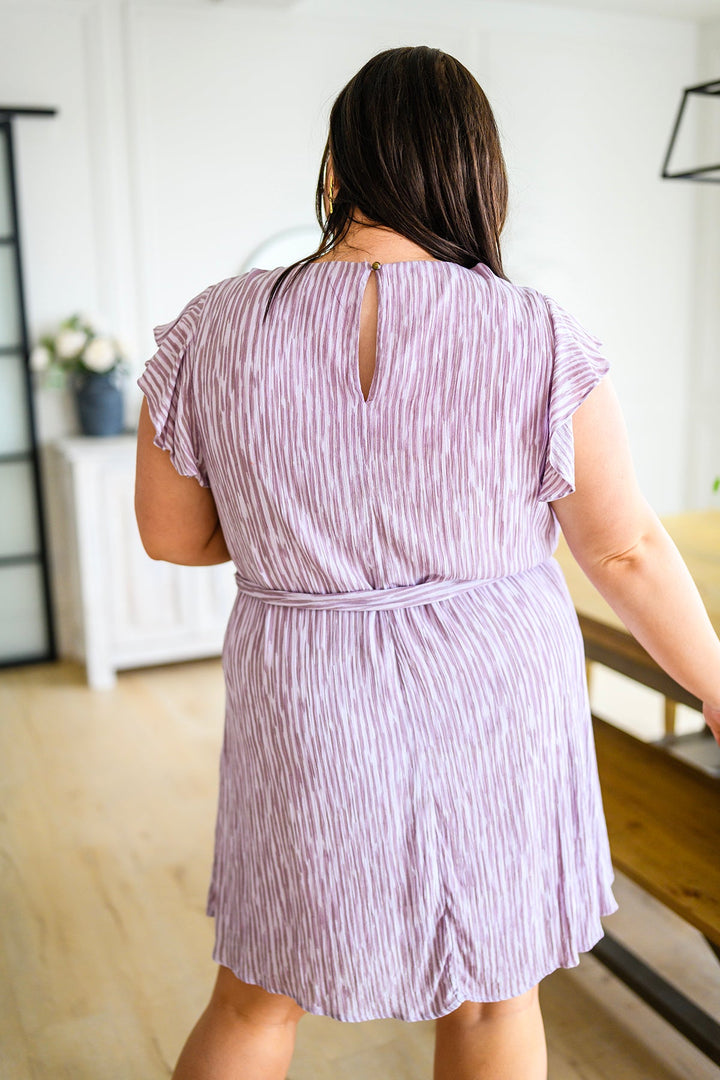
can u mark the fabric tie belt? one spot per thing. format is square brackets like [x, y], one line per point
[398, 596]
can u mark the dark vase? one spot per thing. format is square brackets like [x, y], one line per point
[99, 400]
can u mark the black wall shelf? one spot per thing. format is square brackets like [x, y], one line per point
[702, 173]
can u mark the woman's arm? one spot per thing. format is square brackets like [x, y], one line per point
[621, 545]
[177, 518]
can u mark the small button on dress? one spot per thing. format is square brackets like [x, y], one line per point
[409, 811]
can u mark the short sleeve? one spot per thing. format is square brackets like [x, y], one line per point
[578, 365]
[168, 387]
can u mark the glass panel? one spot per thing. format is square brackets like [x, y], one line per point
[5, 208]
[14, 423]
[23, 633]
[9, 303]
[18, 522]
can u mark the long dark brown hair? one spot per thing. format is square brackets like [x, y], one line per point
[414, 147]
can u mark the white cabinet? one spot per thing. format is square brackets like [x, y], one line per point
[115, 607]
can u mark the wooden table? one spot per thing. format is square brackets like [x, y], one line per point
[663, 815]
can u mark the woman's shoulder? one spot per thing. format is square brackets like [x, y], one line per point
[237, 284]
[541, 306]
[510, 296]
[230, 295]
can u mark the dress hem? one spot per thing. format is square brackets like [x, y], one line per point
[345, 1017]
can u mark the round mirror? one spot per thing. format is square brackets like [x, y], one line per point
[283, 248]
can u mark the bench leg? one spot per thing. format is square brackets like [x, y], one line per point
[713, 945]
[685, 1016]
[670, 712]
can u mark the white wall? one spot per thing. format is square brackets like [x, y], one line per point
[191, 130]
[704, 403]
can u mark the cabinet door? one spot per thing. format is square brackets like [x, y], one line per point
[157, 610]
[25, 624]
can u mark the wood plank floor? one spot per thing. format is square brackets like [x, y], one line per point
[108, 804]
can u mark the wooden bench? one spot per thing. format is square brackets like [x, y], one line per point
[662, 813]
[663, 819]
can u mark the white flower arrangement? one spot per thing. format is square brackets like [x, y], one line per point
[78, 348]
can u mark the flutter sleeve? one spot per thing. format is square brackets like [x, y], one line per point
[168, 387]
[578, 365]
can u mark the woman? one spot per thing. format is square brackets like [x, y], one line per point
[385, 439]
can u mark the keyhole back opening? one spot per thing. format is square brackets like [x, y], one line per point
[366, 359]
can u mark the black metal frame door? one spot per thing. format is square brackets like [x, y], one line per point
[26, 622]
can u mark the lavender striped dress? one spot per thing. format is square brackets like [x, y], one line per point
[410, 813]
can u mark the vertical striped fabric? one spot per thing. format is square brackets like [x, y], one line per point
[409, 813]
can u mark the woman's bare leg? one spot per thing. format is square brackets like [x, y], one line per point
[497, 1040]
[245, 1033]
